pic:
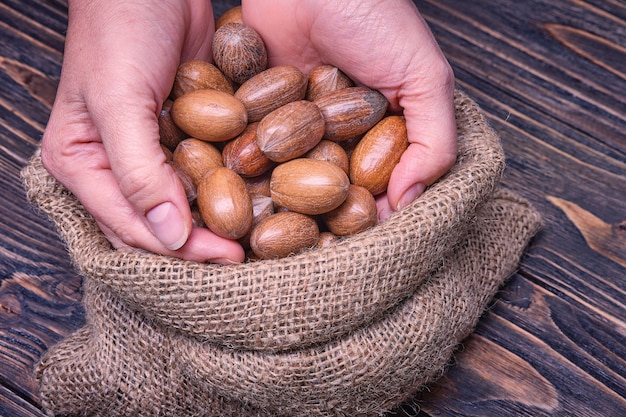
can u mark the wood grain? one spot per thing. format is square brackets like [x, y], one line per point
[534, 354]
[12, 404]
[35, 312]
[512, 49]
[607, 239]
[549, 75]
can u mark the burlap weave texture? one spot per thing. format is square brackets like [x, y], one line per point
[342, 331]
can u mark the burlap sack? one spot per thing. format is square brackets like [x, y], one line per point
[350, 330]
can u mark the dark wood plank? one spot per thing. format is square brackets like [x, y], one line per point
[42, 22]
[526, 53]
[35, 313]
[534, 354]
[12, 405]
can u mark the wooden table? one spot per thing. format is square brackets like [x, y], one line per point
[551, 77]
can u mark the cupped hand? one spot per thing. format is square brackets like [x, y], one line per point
[385, 45]
[102, 139]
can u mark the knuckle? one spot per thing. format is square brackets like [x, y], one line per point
[140, 186]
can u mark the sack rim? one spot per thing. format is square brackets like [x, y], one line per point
[213, 287]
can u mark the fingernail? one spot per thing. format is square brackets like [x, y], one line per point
[384, 214]
[409, 195]
[224, 261]
[167, 225]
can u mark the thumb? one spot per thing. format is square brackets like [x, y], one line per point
[431, 130]
[129, 133]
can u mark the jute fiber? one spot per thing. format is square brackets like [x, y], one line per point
[350, 330]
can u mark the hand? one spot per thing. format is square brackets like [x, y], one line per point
[102, 139]
[383, 45]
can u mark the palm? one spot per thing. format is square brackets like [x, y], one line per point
[383, 45]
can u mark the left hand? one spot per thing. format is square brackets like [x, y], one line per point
[386, 46]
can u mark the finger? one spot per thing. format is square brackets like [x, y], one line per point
[200, 29]
[129, 132]
[123, 100]
[383, 209]
[431, 130]
[120, 223]
[202, 246]
[86, 172]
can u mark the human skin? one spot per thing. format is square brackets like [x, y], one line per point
[120, 59]
[385, 45]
